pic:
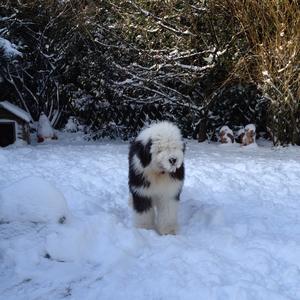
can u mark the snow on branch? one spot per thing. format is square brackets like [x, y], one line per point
[9, 50]
[161, 22]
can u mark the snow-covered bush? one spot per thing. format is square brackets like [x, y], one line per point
[72, 125]
[40, 80]
[116, 65]
[271, 60]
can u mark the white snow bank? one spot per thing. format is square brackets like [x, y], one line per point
[238, 238]
[33, 199]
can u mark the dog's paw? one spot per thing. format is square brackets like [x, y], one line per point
[167, 229]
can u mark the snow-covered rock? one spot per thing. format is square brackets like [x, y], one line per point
[33, 199]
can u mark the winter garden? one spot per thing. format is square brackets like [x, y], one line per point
[80, 83]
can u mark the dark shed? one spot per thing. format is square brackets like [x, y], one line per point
[14, 124]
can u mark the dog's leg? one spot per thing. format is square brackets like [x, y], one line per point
[167, 216]
[145, 219]
[143, 211]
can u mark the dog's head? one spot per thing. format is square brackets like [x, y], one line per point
[226, 135]
[250, 133]
[162, 148]
[167, 156]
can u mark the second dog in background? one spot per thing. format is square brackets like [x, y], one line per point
[250, 135]
[247, 135]
[226, 135]
[244, 136]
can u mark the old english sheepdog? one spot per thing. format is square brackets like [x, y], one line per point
[156, 173]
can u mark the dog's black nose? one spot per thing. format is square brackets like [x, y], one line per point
[172, 161]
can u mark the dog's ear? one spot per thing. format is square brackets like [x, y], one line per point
[231, 137]
[179, 173]
[143, 152]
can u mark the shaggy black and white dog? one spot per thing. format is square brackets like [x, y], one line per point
[156, 173]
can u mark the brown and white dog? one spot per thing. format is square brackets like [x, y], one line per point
[250, 135]
[156, 174]
[226, 135]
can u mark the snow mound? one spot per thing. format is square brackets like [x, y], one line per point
[33, 199]
[45, 129]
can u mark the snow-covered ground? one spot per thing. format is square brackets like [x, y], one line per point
[239, 232]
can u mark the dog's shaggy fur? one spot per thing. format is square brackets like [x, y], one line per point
[226, 135]
[156, 174]
[239, 135]
[250, 135]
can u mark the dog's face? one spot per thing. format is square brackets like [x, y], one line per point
[250, 133]
[250, 136]
[167, 156]
[159, 148]
[226, 135]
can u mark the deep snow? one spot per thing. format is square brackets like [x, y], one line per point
[238, 239]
